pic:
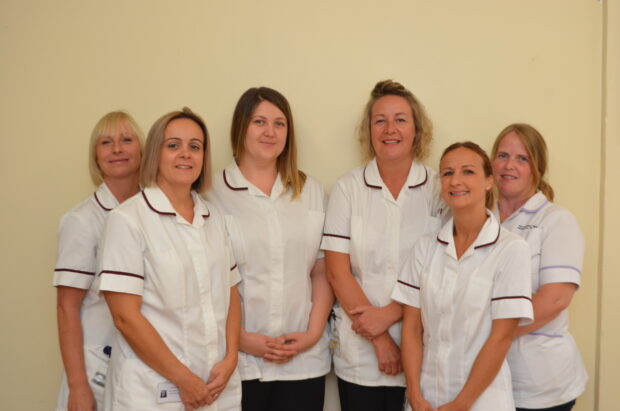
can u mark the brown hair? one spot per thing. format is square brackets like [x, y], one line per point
[155, 140]
[105, 126]
[423, 124]
[486, 165]
[537, 152]
[286, 163]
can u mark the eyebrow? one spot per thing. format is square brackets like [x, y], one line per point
[261, 116]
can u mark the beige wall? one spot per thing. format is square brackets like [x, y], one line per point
[477, 65]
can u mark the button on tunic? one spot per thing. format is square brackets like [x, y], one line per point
[378, 232]
[459, 299]
[78, 246]
[276, 244]
[546, 366]
[184, 273]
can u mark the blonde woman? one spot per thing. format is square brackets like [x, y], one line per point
[168, 276]
[274, 214]
[85, 327]
[547, 369]
[375, 215]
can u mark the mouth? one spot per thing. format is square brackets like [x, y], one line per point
[458, 193]
[390, 141]
[183, 167]
[507, 177]
[118, 161]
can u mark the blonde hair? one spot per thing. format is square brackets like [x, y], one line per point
[106, 126]
[154, 143]
[286, 163]
[423, 125]
[537, 152]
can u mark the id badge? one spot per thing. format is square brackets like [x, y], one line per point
[167, 392]
[99, 377]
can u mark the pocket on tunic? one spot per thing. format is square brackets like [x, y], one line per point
[167, 277]
[96, 362]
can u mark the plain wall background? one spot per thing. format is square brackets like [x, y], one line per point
[476, 65]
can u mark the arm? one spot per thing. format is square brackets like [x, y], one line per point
[487, 364]
[548, 302]
[221, 372]
[151, 348]
[412, 350]
[69, 303]
[350, 296]
[322, 302]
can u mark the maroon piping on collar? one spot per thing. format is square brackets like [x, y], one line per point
[153, 208]
[423, 182]
[229, 186]
[499, 229]
[122, 273]
[99, 202]
[73, 271]
[366, 182]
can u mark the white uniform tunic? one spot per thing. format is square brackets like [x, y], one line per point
[78, 244]
[276, 244]
[184, 273]
[546, 367]
[459, 299]
[378, 232]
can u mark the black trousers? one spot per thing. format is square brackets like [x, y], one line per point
[298, 395]
[564, 407]
[355, 397]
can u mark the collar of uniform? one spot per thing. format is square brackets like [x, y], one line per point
[235, 180]
[488, 235]
[104, 198]
[535, 203]
[158, 202]
[418, 175]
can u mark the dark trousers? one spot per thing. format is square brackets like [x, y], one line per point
[564, 407]
[355, 397]
[298, 395]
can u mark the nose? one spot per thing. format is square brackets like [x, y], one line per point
[269, 129]
[390, 126]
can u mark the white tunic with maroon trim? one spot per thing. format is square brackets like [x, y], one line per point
[184, 273]
[276, 243]
[78, 245]
[547, 369]
[459, 299]
[378, 232]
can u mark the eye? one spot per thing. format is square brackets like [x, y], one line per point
[195, 147]
[523, 159]
[127, 139]
[280, 124]
[172, 145]
[259, 121]
[503, 156]
[447, 173]
[468, 171]
[401, 120]
[105, 142]
[379, 121]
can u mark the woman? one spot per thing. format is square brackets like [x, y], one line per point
[375, 214]
[168, 276]
[85, 328]
[464, 289]
[547, 370]
[274, 215]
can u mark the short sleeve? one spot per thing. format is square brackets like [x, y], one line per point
[234, 277]
[121, 265]
[76, 252]
[337, 230]
[561, 251]
[407, 288]
[512, 284]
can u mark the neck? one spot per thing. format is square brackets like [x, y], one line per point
[467, 226]
[507, 206]
[179, 196]
[394, 174]
[123, 188]
[262, 174]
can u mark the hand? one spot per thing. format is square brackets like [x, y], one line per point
[371, 321]
[219, 376]
[453, 406]
[300, 341]
[280, 351]
[81, 399]
[388, 354]
[193, 392]
[419, 404]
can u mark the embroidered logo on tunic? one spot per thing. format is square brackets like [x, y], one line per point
[526, 227]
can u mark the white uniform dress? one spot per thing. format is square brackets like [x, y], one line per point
[78, 244]
[546, 366]
[184, 273]
[378, 232]
[276, 244]
[459, 299]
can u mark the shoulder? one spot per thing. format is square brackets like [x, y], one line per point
[352, 180]
[509, 243]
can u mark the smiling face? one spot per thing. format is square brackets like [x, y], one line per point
[182, 154]
[464, 184]
[392, 129]
[265, 136]
[512, 169]
[118, 153]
